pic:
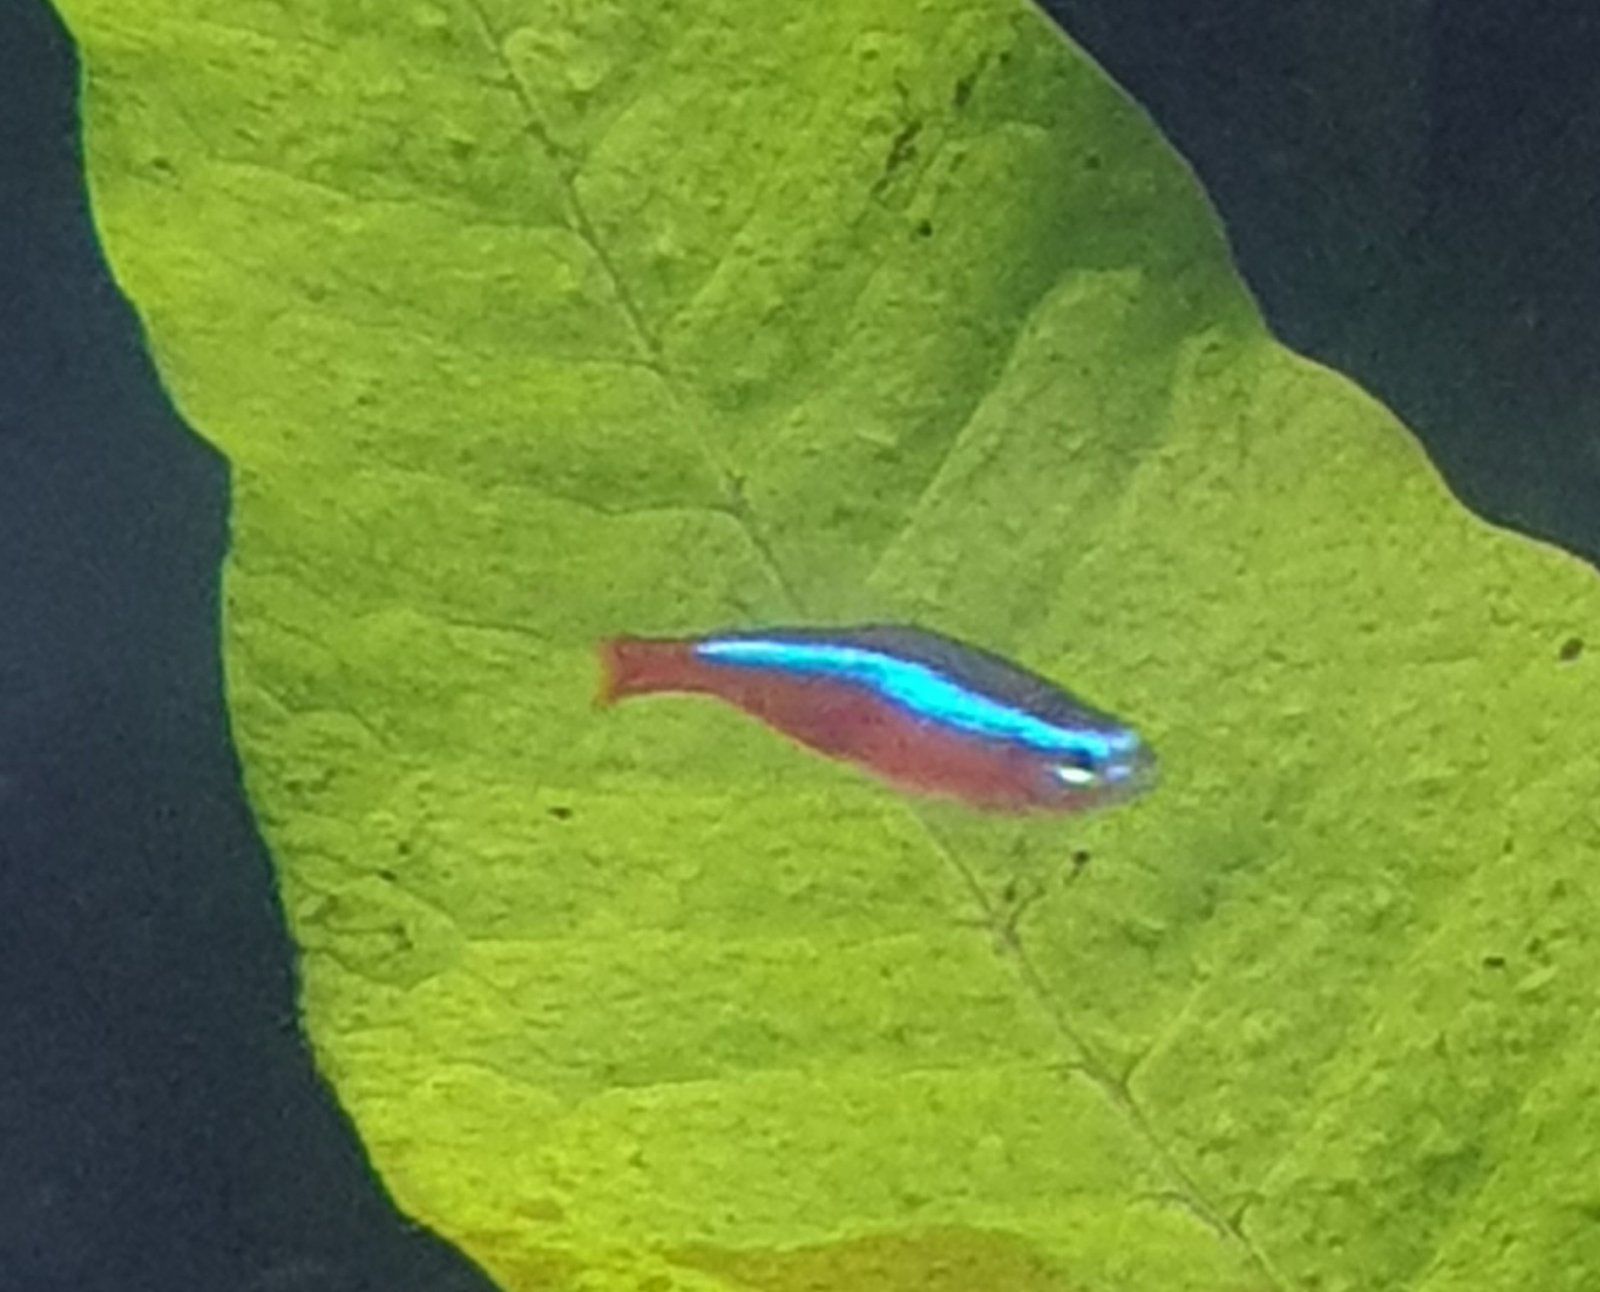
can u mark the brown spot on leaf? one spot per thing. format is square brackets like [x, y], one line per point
[935, 1260]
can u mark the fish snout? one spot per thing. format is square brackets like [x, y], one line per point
[1136, 772]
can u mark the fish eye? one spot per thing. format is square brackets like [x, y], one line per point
[1074, 770]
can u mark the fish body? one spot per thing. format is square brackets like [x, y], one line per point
[922, 711]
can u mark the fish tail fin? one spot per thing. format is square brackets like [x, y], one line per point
[613, 654]
[634, 666]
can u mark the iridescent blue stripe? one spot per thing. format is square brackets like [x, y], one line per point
[920, 689]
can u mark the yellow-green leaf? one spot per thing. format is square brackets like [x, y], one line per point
[524, 322]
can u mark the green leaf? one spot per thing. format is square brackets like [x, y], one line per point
[526, 322]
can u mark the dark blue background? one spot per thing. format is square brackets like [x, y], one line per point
[1412, 189]
[161, 1126]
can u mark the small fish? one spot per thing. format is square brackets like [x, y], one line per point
[922, 711]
